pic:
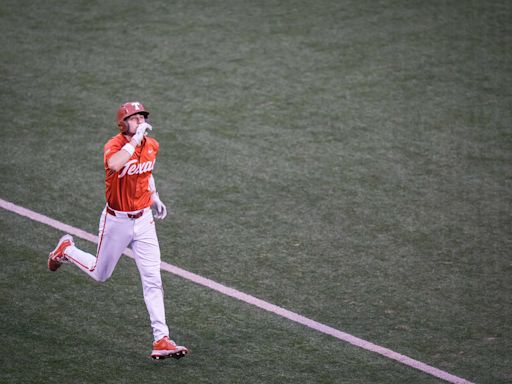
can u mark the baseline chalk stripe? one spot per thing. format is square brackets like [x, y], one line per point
[295, 317]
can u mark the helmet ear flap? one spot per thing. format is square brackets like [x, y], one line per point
[123, 126]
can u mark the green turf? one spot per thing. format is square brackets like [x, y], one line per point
[347, 160]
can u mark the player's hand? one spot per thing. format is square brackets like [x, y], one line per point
[141, 132]
[159, 208]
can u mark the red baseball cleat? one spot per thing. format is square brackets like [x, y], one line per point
[165, 348]
[57, 257]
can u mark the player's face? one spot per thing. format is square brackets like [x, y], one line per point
[134, 121]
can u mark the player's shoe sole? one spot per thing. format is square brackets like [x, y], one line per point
[56, 257]
[174, 354]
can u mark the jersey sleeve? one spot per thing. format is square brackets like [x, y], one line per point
[110, 148]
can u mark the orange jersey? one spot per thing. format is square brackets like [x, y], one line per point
[128, 189]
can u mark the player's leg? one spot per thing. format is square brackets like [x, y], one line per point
[147, 256]
[114, 236]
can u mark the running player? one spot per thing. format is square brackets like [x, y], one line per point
[127, 220]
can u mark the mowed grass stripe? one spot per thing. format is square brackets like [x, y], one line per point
[388, 353]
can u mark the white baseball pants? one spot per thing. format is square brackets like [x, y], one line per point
[115, 234]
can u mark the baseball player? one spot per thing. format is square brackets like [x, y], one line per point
[127, 220]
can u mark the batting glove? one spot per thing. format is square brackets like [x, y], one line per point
[141, 132]
[159, 208]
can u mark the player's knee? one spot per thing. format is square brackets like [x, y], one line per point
[101, 278]
[152, 276]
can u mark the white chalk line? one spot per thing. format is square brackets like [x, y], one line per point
[295, 317]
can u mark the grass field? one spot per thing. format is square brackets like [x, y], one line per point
[347, 160]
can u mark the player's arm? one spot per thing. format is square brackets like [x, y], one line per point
[120, 158]
[159, 207]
